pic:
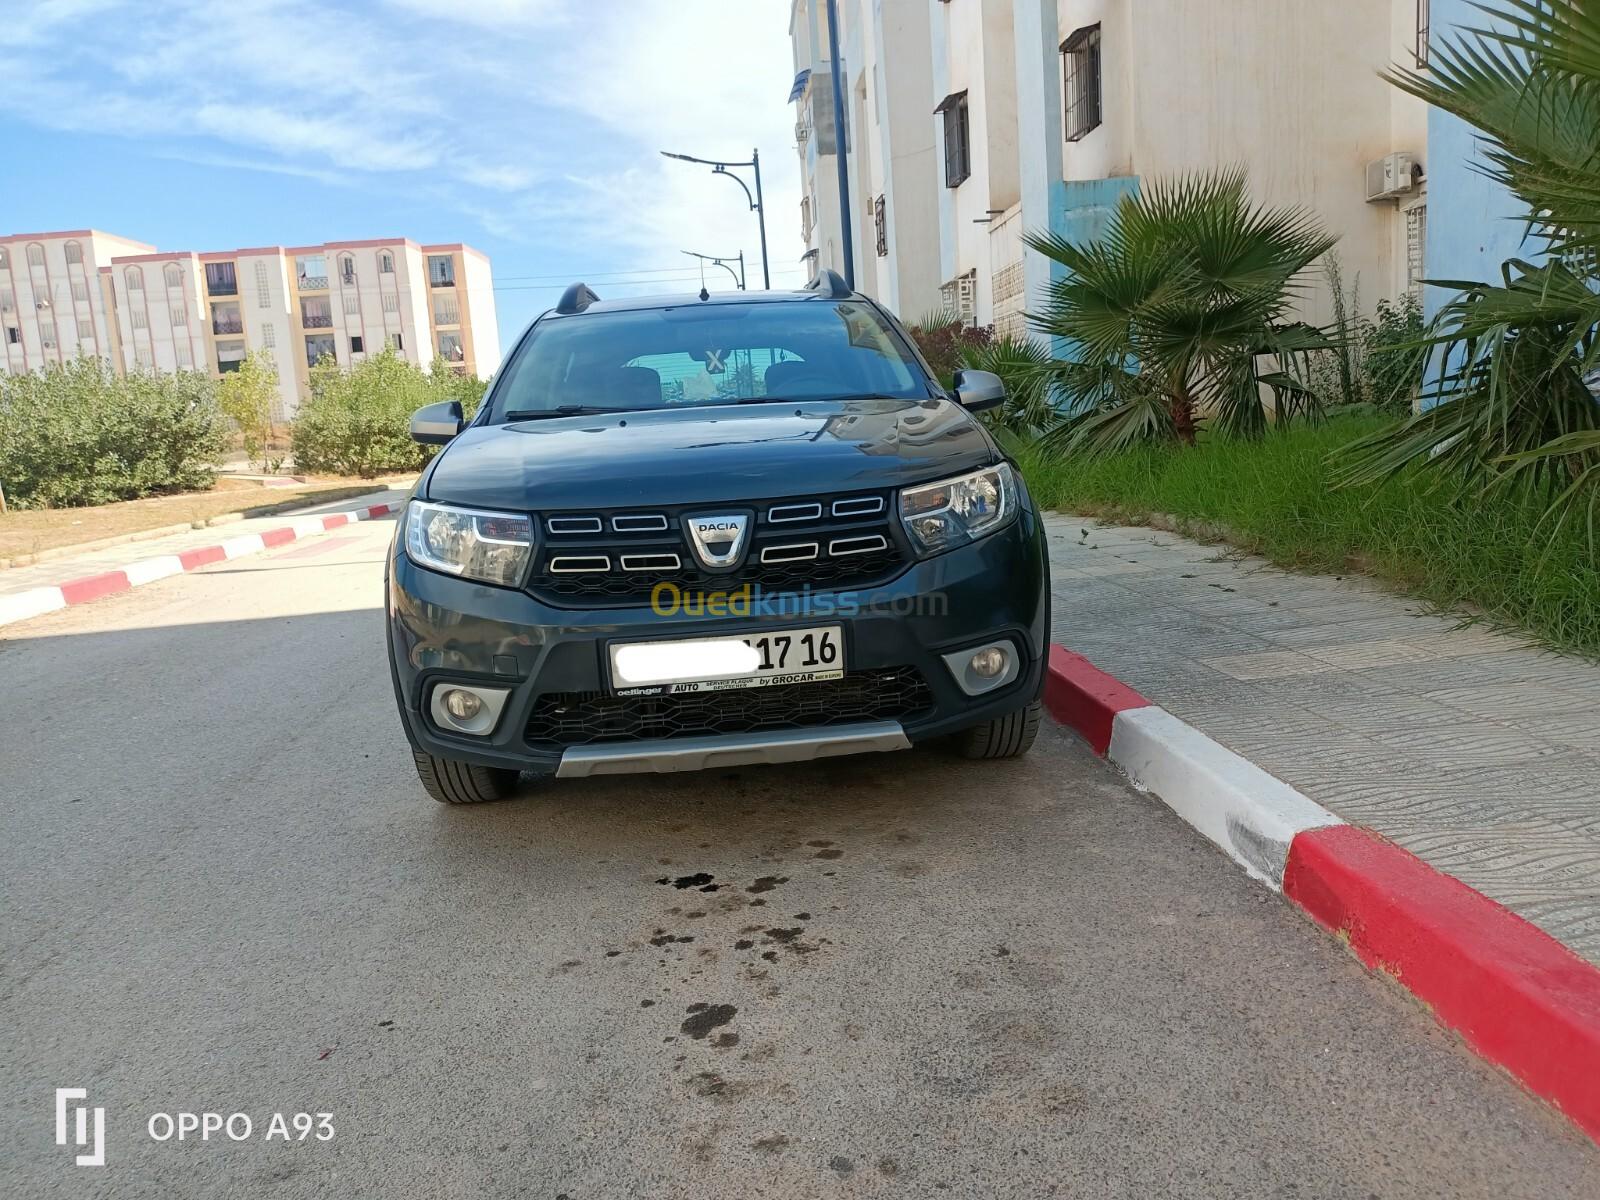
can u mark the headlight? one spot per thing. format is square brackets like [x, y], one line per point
[940, 516]
[492, 547]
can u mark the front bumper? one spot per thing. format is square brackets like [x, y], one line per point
[441, 629]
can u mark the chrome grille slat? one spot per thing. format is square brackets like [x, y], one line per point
[779, 513]
[560, 525]
[580, 564]
[840, 547]
[639, 523]
[857, 506]
[794, 552]
[651, 562]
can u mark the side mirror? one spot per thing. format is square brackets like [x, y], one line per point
[978, 390]
[436, 424]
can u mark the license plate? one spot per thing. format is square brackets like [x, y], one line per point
[718, 663]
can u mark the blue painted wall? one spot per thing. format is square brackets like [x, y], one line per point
[1080, 210]
[1474, 224]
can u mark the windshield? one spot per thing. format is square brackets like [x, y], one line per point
[703, 354]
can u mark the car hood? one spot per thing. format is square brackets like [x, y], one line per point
[708, 454]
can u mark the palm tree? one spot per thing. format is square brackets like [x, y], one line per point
[1168, 315]
[1511, 400]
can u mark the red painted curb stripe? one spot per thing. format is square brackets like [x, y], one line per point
[1082, 696]
[1519, 997]
[92, 587]
[335, 521]
[378, 510]
[199, 557]
[277, 537]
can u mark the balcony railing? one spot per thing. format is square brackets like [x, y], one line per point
[225, 325]
[313, 283]
[440, 279]
[317, 320]
[222, 287]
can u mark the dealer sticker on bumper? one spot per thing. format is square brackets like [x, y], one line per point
[720, 663]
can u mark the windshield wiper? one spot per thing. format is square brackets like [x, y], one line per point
[564, 410]
[810, 399]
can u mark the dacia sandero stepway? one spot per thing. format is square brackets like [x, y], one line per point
[713, 531]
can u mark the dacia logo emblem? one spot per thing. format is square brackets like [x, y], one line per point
[718, 541]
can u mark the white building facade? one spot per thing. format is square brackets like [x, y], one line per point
[140, 309]
[1042, 114]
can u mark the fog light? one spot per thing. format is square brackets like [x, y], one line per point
[462, 705]
[989, 662]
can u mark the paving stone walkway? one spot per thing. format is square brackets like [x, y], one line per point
[1472, 749]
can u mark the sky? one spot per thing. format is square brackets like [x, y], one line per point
[529, 129]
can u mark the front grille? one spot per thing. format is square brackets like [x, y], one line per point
[615, 558]
[562, 719]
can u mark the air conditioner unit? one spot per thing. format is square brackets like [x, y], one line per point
[1391, 176]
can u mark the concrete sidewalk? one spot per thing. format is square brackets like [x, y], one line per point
[1467, 747]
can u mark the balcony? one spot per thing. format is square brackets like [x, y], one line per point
[220, 280]
[441, 271]
[316, 314]
[311, 273]
[223, 324]
[313, 283]
[318, 321]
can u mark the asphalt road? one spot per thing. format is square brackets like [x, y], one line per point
[903, 975]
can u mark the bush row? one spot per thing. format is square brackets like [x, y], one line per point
[79, 433]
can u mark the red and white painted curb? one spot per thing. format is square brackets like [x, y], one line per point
[19, 606]
[1516, 995]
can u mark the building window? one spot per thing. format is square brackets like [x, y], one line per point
[47, 332]
[805, 218]
[80, 290]
[441, 270]
[880, 226]
[1080, 56]
[35, 254]
[385, 263]
[179, 315]
[221, 280]
[352, 304]
[7, 300]
[316, 312]
[135, 279]
[312, 272]
[229, 356]
[13, 337]
[446, 311]
[357, 344]
[74, 253]
[957, 139]
[184, 359]
[319, 347]
[396, 342]
[347, 268]
[451, 349]
[226, 318]
[136, 317]
[1416, 246]
[391, 302]
[263, 285]
[173, 274]
[5, 259]
[1424, 19]
[269, 335]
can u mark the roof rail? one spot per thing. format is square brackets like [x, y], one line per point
[575, 299]
[830, 284]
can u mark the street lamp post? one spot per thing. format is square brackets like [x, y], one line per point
[756, 204]
[716, 261]
[846, 217]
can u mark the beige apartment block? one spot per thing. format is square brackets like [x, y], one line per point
[141, 309]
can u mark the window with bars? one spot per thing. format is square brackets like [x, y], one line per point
[185, 359]
[74, 253]
[80, 291]
[173, 274]
[391, 302]
[880, 226]
[35, 254]
[1080, 59]
[1416, 248]
[957, 139]
[352, 304]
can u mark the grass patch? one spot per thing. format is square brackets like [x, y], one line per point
[26, 532]
[1487, 558]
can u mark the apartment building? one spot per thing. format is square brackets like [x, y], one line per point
[54, 304]
[1041, 114]
[182, 310]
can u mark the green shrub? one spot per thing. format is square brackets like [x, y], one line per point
[246, 397]
[358, 421]
[81, 434]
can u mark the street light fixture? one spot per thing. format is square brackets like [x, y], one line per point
[756, 204]
[723, 263]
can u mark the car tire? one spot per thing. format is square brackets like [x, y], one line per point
[451, 782]
[1009, 736]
